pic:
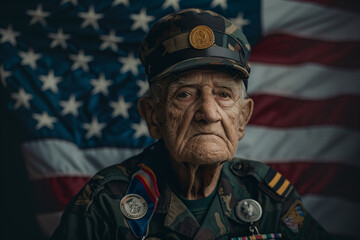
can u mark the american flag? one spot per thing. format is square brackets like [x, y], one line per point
[71, 76]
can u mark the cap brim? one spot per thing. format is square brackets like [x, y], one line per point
[200, 62]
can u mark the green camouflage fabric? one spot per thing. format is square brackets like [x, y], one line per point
[94, 213]
[166, 49]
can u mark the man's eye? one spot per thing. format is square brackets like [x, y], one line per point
[223, 94]
[183, 95]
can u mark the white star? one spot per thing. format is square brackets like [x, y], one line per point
[50, 81]
[222, 3]
[70, 106]
[74, 2]
[44, 120]
[110, 40]
[59, 38]
[100, 85]
[38, 15]
[3, 75]
[140, 129]
[130, 63]
[141, 20]
[239, 21]
[117, 2]
[120, 107]
[90, 18]
[80, 61]
[29, 58]
[173, 3]
[22, 98]
[8, 35]
[144, 86]
[94, 128]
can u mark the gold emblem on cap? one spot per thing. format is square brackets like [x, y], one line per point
[201, 37]
[133, 206]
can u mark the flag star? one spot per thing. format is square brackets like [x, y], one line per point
[59, 38]
[100, 85]
[130, 63]
[117, 2]
[141, 20]
[171, 3]
[38, 15]
[90, 18]
[70, 106]
[94, 128]
[8, 35]
[44, 120]
[144, 86]
[74, 2]
[29, 58]
[80, 61]
[50, 81]
[239, 21]
[221, 3]
[22, 99]
[3, 75]
[110, 40]
[140, 129]
[120, 107]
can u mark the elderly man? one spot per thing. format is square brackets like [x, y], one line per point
[188, 185]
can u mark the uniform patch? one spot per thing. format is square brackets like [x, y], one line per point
[278, 183]
[294, 218]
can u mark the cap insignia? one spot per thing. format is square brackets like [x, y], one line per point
[201, 37]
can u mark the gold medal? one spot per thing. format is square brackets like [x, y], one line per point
[201, 37]
[133, 206]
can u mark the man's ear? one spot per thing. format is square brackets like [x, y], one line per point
[246, 111]
[147, 112]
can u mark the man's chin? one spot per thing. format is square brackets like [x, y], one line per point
[206, 149]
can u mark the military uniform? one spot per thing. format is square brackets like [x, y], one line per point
[95, 212]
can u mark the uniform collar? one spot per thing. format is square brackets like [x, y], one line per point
[179, 218]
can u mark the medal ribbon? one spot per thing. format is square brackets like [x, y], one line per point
[268, 236]
[144, 183]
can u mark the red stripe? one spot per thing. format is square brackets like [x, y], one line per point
[353, 5]
[151, 174]
[290, 50]
[331, 179]
[52, 194]
[146, 188]
[281, 112]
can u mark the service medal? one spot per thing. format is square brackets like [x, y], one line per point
[133, 206]
[248, 210]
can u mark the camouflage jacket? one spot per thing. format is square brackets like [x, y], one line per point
[94, 213]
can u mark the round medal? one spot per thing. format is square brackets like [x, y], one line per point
[133, 206]
[248, 210]
[201, 37]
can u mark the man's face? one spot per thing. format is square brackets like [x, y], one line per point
[203, 117]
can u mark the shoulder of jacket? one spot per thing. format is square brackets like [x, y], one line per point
[269, 180]
[119, 173]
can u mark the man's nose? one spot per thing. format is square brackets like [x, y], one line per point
[207, 109]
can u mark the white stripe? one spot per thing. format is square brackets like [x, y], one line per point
[304, 81]
[48, 222]
[49, 157]
[320, 144]
[336, 215]
[148, 179]
[309, 20]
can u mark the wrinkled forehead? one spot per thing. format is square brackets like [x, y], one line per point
[199, 76]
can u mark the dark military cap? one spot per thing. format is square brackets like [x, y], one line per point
[194, 38]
